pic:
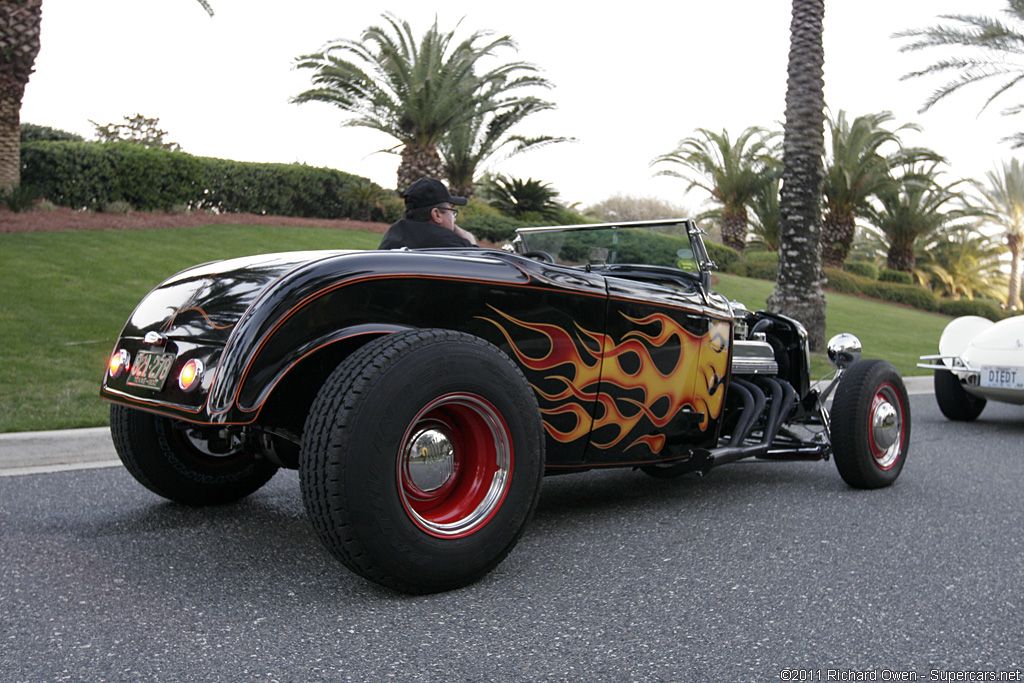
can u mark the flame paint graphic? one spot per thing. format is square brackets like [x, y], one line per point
[595, 373]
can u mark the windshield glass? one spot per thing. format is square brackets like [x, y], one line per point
[665, 243]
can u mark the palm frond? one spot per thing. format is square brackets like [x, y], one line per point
[418, 89]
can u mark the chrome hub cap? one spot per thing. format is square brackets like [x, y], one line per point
[430, 460]
[886, 426]
[455, 465]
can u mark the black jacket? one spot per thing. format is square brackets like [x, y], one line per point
[420, 235]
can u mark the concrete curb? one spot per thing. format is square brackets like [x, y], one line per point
[55, 451]
[76, 449]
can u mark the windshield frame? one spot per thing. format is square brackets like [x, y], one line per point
[694, 233]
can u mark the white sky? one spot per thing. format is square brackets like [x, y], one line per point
[631, 80]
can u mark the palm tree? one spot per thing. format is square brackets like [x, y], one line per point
[467, 148]
[19, 46]
[798, 288]
[364, 197]
[417, 91]
[989, 47]
[962, 262]
[914, 206]
[732, 173]
[767, 217]
[1002, 203]
[515, 197]
[855, 170]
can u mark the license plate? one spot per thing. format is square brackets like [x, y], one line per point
[1002, 377]
[150, 369]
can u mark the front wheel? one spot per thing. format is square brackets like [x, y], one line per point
[184, 463]
[870, 425]
[422, 459]
[954, 401]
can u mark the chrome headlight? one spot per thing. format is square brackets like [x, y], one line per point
[844, 350]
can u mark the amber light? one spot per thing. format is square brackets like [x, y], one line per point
[119, 362]
[190, 375]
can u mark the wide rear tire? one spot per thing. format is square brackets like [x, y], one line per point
[422, 459]
[172, 459]
[870, 425]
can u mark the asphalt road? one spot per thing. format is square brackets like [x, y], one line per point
[751, 571]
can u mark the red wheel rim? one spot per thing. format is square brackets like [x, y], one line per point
[886, 426]
[455, 465]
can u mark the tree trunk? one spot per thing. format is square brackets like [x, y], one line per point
[10, 141]
[418, 161]
[837, 233]
[19, 45]
[1016, 243]
[901, 257]
[798, 289]
[466, 191]
[734, 228]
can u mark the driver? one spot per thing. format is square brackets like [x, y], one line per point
[429, 219]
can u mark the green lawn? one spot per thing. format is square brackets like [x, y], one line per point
[64, 297]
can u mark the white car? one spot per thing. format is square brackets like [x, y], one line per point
[978, 361]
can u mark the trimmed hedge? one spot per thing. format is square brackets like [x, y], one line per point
[761, 257]
[908, 295]
[846, 282]
[31, 132]
[889, 275]
[985, 309]
[493, 228]
[88, 175]
[724, 257]
[862, 268]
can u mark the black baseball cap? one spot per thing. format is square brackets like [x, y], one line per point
[429, 192]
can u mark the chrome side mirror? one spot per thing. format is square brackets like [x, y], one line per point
[844, 350]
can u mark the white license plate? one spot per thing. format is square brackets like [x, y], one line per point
[150, 369]
[1002, 377]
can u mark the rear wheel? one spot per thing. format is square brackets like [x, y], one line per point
[184, 463]
[422, 459]
[954, 401]
[870, 425]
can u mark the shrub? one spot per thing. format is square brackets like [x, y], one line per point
[20, 198]
[118, 208]
[862, 268]
[493, 228]
[391, 209]
[909, 295]
[761, 257]
[888, 275]
[985, 309]
[73, 174]
[843, 282]
[30, 132]
[761, 270]
[150, 179]
[276, 189]
[476, 207]
[564, 216]
[86, 175]
[723, 256]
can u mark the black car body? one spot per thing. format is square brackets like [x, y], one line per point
[424, 393]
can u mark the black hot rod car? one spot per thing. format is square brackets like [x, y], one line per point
[424, 394]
